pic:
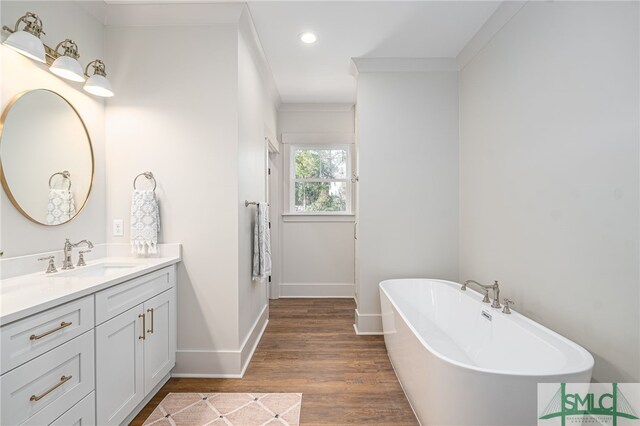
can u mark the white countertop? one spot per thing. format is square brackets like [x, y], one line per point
[28, 294]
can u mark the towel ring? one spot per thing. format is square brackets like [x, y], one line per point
[149, 176]
[65, 175]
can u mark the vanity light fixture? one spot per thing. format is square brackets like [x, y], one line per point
[27, 41]
[97, 84]
[308, 37]
[67, 65]
[63, 64]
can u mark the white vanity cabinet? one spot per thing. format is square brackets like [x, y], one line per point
[119, 372]
[135, 349]
[94, 360]
[160, 341]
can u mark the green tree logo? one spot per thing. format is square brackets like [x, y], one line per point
[613, 405]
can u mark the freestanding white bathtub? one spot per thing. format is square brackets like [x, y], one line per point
[459, 367]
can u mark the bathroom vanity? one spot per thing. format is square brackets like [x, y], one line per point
[89, 345]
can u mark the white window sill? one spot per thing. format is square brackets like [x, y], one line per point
[318, 217]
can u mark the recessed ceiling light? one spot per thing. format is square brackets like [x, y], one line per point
[308, 38]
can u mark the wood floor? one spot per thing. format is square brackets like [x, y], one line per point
[310, 346]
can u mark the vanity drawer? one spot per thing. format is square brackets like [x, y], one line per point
[81, 414]
[38, 392]
[30, 337]
[122, 297]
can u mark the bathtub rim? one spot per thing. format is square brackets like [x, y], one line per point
[588, 358]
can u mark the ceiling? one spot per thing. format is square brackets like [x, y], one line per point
[319, 73]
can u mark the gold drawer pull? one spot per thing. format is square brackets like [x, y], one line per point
[144, 335]
[151, 329]
[40, 336]
[62, 381]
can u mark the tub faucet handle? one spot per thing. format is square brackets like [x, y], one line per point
[486, 297]
[507, 303]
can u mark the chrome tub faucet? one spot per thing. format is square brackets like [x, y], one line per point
[496, 292]
[67, 263]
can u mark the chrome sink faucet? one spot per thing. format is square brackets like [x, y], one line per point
[496, 292]
[68, 248]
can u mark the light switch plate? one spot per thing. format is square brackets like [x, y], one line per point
[118, 227]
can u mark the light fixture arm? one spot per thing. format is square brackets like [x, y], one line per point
[98, 68]
[70, 48]
[32, 24]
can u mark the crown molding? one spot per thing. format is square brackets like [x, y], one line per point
[380, 65]
[247, 30]
[503, 14]
[97, 9]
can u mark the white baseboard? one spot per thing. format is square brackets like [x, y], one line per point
[368, 324]
[208, 364]
[253, 338]
[222, 364]
[317, 290]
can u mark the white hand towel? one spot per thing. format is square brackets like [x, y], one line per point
[145, 222]
[61, 206]
[261, 242]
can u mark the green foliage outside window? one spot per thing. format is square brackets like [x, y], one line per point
[320, 180]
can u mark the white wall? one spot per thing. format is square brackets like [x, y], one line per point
[196, 122]
[317, 252]
[550, 173]
[256, 111]
[408, 191]
[170, 120]
[316, 118]
[62, 19]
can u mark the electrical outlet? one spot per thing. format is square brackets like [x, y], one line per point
[118, 227]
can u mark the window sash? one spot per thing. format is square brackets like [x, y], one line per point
[293, 179]
[319, 180]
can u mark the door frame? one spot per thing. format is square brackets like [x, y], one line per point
[273, 196]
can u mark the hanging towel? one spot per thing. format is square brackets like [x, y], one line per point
[61, 206]
[145, 222]
[261, 243]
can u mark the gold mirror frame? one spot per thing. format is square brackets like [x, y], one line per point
[5, 184]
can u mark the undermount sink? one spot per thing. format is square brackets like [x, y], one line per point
[99, 270]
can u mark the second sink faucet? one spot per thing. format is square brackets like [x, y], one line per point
[495, 287]
[67, 263]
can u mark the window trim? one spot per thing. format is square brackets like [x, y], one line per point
[293, 148]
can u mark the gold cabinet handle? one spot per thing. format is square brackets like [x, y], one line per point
[62, 381]
[60, 327]
[151, 329]
[144, 335]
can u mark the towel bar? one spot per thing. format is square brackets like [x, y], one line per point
[247, 203]
[149, 176]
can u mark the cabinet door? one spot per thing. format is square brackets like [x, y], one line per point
[119, 366]
[160, 344]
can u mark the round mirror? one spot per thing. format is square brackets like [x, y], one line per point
[46, 158]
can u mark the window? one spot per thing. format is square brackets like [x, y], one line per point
[320, 179]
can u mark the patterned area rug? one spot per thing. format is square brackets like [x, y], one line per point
[231, 409]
